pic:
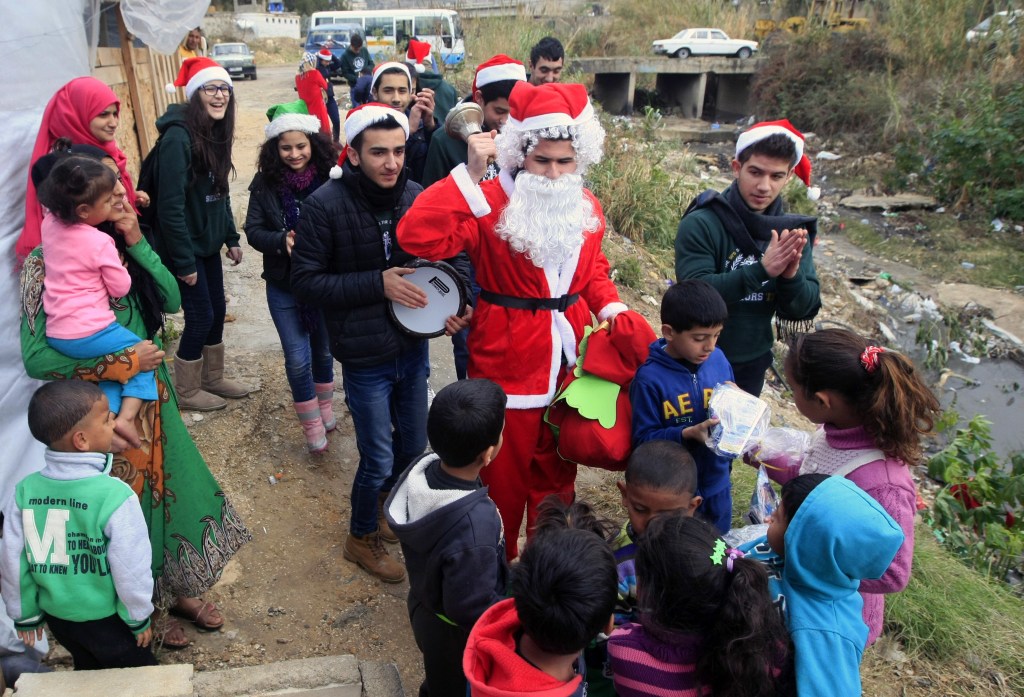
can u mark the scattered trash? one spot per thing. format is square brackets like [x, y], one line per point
[865, 221]
[271, 480]
[890, 214]
[954, 346]
[196, 418]
[940, 209]
[826, 155]
[715, 126]
[967, 264]
[889, 334]
[998, 224]
[885, 275]
[650, 301]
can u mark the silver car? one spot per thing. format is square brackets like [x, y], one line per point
[236, 58]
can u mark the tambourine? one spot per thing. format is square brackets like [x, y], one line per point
[446, 296]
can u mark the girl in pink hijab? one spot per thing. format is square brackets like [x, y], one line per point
[87, 112]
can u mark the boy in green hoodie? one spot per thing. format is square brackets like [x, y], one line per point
[76, 552]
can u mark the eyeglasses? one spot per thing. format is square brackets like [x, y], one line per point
[212, 90]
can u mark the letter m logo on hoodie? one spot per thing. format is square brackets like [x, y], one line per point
[54, 536]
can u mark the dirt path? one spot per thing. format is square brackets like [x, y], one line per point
[290, 594]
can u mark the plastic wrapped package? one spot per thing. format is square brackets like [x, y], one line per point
[778, 447]
[763, 501]
[162, 24]
[742, 420]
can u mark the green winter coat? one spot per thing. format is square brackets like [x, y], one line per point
[353, 63]
[193, 221]
[705, 250]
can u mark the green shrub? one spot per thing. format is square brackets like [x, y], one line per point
[988, 533]
[641, 199]
[977, 153]
[827, 83]
[629, 273]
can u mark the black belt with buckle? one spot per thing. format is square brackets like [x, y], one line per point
[560, 304]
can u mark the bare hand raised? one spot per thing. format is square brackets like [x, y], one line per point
[481, 152]
[401, 291]
[126, 224]
[455, 324]
[782, 251]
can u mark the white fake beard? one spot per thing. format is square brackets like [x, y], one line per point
[545, 218]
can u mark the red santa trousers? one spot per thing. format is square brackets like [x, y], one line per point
[526, 471]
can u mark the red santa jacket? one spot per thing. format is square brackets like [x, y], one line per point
[521, 350]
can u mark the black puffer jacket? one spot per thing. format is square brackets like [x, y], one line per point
[337, 263]
[264, 228]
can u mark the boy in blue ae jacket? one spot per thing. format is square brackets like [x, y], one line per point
[671, 390]
[825, 538]
[450, 530]
[76, 552]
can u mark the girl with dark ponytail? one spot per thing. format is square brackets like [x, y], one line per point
[707, 612]
[873, 407]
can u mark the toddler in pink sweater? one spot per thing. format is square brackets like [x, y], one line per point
[83, 273]
[873, 407]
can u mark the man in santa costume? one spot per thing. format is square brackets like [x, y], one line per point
[534, 235]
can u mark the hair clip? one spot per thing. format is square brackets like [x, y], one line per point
[718, 553]
[733, 554]
[869, 358]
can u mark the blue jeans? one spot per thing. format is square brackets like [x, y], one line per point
[307, 354]
[204, 306]
[388, 404]
[110, 339]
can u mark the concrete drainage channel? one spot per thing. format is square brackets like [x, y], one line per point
[328, 676]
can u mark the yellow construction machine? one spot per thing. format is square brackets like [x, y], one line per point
[835, 15]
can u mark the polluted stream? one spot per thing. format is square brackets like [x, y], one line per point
[974, 365]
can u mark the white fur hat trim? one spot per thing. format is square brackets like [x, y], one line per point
[292, 122]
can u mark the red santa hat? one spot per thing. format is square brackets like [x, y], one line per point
[196, 72]
[361, 118]
[325, 54]
[497, 68]
[532, 107]
[390, 65]
[418, 52]
[760, 131]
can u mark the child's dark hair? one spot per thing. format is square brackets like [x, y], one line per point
[500, 89]
[57, 406]
[465, 419]
[554, 514]
[894, 402]
[388, 123]
[355, 41]
[777, 146]
[322, 156]
[691, 304]
[75, 180]
[662, 465]
[564, 586]
[211, 142]
[745, 639]
[796, 490]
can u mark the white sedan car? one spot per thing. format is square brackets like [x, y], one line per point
[704, 42]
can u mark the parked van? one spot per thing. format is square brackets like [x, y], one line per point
[333, 36]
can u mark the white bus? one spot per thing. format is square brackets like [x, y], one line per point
[387, 30]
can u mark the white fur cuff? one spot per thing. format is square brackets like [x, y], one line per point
[610, 310]
[471, 191]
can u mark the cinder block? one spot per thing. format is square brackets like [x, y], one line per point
[149, 681]
[338, 673]
[381, 680]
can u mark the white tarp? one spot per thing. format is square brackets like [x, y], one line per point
[162, 23]
[46, 43]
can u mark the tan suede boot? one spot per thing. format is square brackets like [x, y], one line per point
[369, 553]
[187, 376]
[213, 375]
[385, 531]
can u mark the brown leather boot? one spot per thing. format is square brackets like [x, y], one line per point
[213, 375]
[383, 529]
[369, 552]
[186, 384]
